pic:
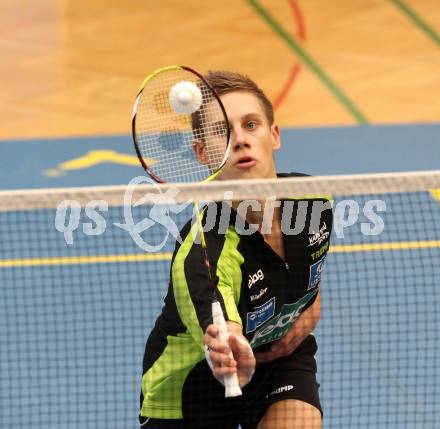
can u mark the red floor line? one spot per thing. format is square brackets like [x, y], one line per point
[295, 69]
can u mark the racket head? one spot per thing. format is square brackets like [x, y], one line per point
[183, 143]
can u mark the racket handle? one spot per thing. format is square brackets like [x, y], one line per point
[232, 386]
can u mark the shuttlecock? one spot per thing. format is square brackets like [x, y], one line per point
[185, 97]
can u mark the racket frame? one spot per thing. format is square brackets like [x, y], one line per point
[145, 166]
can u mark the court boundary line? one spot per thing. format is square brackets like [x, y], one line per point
[166, 256]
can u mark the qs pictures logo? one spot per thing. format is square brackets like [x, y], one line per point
[160, 206]
[159, 214]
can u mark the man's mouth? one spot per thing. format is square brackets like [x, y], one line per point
[245, 162]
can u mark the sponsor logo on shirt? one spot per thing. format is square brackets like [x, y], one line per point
[261, 315]
[315, 273]
[319, 236]
[259, 294]
[254, 278]
[280, 390]
[280, 324]
[316, 255]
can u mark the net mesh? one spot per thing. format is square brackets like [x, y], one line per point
[83, 275]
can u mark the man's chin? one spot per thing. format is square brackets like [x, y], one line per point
[238, 175]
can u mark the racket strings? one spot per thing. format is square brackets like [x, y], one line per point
[178, 147]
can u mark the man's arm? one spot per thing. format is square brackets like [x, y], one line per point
[303, 326]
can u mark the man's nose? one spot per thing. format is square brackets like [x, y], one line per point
[239, 139]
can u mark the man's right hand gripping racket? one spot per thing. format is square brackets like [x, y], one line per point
[181, 134]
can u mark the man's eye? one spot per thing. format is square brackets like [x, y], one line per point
[220, 130]
[251, 125]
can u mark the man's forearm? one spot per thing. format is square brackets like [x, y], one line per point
[306, 323]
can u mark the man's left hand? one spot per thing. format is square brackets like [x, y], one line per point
[302, 327]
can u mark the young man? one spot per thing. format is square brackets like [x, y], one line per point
[267, 283]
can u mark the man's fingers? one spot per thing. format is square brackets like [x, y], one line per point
[222, 359]
[210, 339]
[217, 346]
[238, 346]
[212, 330]
[221, 371]
[278, 348]
[234, 356]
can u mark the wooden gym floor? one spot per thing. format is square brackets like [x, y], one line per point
[72, 68]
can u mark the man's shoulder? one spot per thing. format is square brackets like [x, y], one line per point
[213, 228]
[309, 197]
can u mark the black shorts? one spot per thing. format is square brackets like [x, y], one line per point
[204, 404]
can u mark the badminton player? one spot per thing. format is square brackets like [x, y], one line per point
[268, 279]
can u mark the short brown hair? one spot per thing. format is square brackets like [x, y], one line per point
[225, 82]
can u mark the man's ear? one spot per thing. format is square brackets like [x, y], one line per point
[199, 150]
[276, 141]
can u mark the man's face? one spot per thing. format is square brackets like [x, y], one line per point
[211, 142]
[253, 139]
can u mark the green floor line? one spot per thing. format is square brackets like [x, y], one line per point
[417, 21]
[310, 63]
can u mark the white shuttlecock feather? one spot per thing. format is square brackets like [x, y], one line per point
[185, 97]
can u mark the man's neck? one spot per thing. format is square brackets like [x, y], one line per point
[265, 215]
